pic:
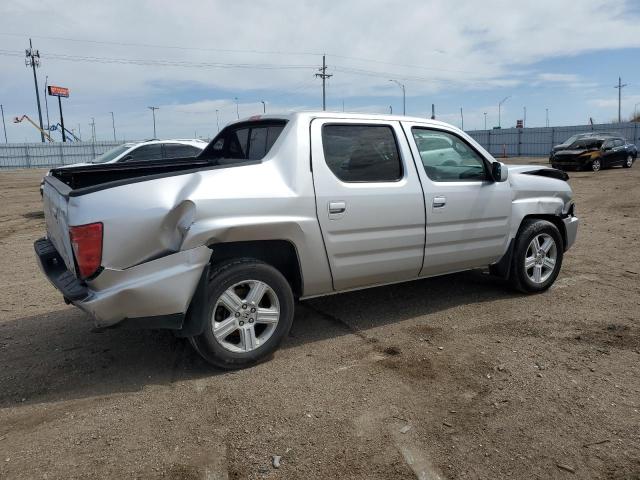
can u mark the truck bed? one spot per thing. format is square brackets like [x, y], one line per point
[90, 178]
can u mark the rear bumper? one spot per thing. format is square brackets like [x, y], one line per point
[152, 290]
[571, 227]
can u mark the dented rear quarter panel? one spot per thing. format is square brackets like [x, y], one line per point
[268, 200]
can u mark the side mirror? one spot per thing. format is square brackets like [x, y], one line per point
[499, 172]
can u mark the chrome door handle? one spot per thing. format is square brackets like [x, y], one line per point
[337, 207]
[439, 202]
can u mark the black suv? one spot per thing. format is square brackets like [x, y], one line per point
[594, 152]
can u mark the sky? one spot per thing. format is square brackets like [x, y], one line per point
[193, 58]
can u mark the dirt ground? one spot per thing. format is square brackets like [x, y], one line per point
[451, 377]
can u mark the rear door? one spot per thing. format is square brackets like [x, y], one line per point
[468, 214]
[369, 201]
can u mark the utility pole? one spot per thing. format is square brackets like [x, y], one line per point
[218, 119]
[524, 120]
[620, 86]
[237, 108]
[264, 106]
[79, 133]
[485, 120]
[500, 109]
[323, 75]
[33, 61]
[547, 115]
[93, 129]
[153, 110]
[113, 124]
[433, 111]
[404, 96]
[4, 126]
[461, 119]
[46, 103]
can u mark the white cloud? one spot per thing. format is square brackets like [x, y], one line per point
[463, 46]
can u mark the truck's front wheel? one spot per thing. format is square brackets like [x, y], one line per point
[249, 311]
[537, 256]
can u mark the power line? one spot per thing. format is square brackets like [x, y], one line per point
[169, 63]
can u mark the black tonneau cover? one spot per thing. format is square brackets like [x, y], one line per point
[97, 174]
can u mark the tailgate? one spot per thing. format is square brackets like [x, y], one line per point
[55, 205]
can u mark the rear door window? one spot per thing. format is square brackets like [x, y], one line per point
[179, 150]
[362, 153]
[145, 153]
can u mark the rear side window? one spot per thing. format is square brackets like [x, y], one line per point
[178, 150]
[145, 153]
[362, 153]
[243, 142]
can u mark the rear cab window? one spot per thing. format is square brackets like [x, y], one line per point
[243, 142]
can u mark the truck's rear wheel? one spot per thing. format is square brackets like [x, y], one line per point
[537, 256]
[249, 311]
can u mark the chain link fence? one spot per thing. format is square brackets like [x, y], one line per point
[37, 155]
[537, 142]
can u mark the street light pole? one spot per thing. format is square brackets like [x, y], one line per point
[218, 119]
[113, 124]
[485, 120]
[461, 120]
[4, 126]
[264, 106]
[524, 120]
[153, 110]
[404, 96]
[500, 109]
[237, 108]
[547, 116]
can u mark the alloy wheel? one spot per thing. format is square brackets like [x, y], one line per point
[540, 259]
[245, 316]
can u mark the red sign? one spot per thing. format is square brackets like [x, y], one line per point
[58, 91]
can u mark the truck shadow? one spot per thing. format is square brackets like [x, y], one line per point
[57, 356]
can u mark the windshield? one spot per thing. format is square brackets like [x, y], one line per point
[111, 154]
[586, 144]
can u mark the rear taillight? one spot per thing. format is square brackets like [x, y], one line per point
[86, 241]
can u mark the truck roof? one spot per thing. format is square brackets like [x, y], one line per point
[310, 115]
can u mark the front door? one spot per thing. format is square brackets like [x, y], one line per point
[369, 201]
[468, 214]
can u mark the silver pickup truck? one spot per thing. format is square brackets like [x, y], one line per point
[279, 208]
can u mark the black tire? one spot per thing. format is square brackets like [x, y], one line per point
[628, 162]
[223, 278]
[596, 165]
[529, 229]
